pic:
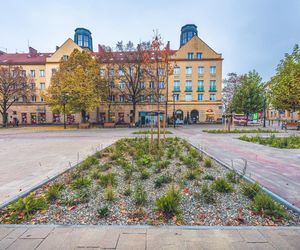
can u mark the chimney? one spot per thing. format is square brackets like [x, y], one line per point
[57, 47]
[32, 51]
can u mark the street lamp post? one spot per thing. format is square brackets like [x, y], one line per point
[174, 122]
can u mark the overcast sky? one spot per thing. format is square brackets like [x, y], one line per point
[251, 34]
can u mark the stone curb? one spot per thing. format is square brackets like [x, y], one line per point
[150, 227]
[248, 179]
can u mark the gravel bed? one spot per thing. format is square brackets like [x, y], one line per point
[229, 209]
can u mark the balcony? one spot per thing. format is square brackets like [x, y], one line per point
[176, 89]
[188, 89]
[200, 89]
[213, 89]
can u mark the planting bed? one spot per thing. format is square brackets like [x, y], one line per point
[135, 181]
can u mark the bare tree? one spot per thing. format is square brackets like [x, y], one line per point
[229, 86]
[129, 64]
[14, 86]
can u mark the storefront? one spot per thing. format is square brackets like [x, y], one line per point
[41, 117]
[194, 116]
[210, 115]
[121, 118]
[24, 118]
[33, 118]
[102, 117]
[70, 119]
[56, 118]
[149, 118]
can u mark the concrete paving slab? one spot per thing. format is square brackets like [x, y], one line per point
[21, 244]
[36, 233]
[132, 242]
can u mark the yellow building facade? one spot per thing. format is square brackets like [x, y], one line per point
[193, 89]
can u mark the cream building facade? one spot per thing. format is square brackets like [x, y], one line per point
[193, 90]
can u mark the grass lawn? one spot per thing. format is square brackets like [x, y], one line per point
[239, 131]
[291, 142]
[136, 182]
[147, 132]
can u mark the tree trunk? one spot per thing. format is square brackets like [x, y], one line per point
[158, 123]
[133, 112]
[83, 116]
[4, 118]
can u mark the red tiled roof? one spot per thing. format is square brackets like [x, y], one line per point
[24, 58]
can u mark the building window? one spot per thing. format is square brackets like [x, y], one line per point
[200, 85]
[199, 55]
[33, 98]
[212, 85]
[176, 97]
[85, 41]
[111, 72]
[16, 99]
[32, 86]
[176, 86]
[200, 70]
[188, 70]
[80, 40]
[188, 97]
[188, 85]
[42, 73]
[142, 98]
[142, 85]
[102, 72]
[121, 72]
[212, 70]
[161, 98]
[161, 71]
[151, 98]
[151, 85]
[200, 97]
[53, 71]
[212, 97]
[65, 57]
[190, 55]
[161, 85]
[122, 98]
[42, 99]
[23, 72]
[42, 86]
[176, 71]
[122, 85]
[32, 73]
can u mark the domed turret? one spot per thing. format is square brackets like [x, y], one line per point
[83, 37]
[188, 31]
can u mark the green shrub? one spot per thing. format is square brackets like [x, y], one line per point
[108, 179]
[207, 163]
[190, 162]
[144, 174]
[209, 177]
[53, 192]
[161, 165]
[88, 162]
[194, 153]
[192, 174]
[99, 154]
[207, 194]
[75, 174]
[109, 194]
[127, 191]
[95, 173]
[222, 186]
[144, 161]
[169, 204]
[83, 196]
[81, 182]
[232, 177]
[103, 212]
[263, 204]
[161, 180]
[27, 206]
[250, 190]
[105, 167]
[140, 195]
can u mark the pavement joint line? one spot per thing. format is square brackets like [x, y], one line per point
[273, 195]
[204, 228]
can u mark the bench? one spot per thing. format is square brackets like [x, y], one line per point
[84, 125]
[109, 125]
[287, 125]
